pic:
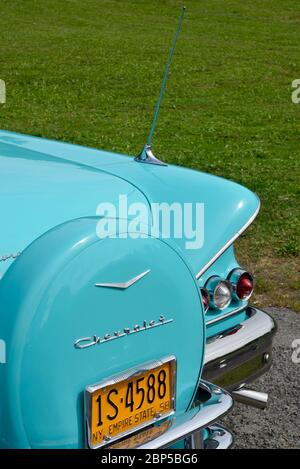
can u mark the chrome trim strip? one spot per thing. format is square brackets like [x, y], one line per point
[258, 325]
[220, 252]
[227, 315]
[194, 420]
[123, 285]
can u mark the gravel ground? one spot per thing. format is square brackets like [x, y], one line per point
[278, 426]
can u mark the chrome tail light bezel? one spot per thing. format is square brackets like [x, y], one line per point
[234, 278]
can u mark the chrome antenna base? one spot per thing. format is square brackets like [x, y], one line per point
[147, 156]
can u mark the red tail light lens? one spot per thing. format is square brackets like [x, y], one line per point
[205, 298]
[244, 287]
[242, 283]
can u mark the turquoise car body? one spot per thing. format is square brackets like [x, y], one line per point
[52, 259]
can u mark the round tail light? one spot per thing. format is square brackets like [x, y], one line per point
[205, 298]
[242, 283]
[220, 292]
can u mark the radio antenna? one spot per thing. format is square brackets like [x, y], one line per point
[146, 155]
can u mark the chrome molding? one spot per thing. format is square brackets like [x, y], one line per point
[225, 316]
[6, 257]
[226, 246]
[124, 285]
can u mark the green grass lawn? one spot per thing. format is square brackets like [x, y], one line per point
[89, 72]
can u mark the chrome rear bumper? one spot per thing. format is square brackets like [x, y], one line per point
[190, 424]
[240, 354]
[219, 437]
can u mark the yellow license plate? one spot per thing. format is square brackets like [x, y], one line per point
[132, 400]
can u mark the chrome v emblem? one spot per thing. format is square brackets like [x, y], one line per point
[123, 285]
